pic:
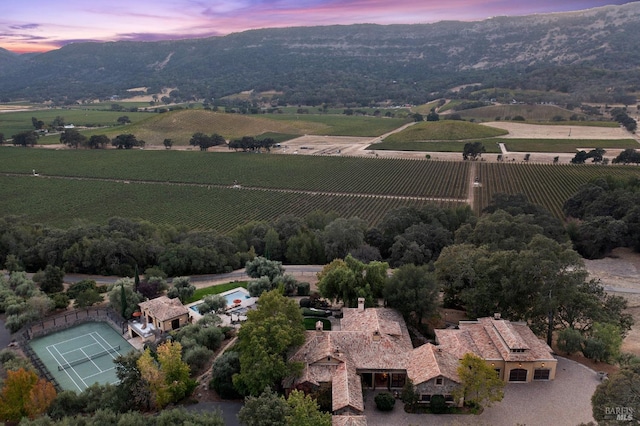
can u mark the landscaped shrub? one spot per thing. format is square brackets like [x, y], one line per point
[570, 340]
[88, 298]
[6, 355]
[594, 349]
[308, 312]
[197, 357]
[385, 401]
[13, 323]
[305, 302]
[210, 337]
[438, 404]
[259, 286]
[60, 300]
[304, 289]
[77, 288]
[222, 373]
[212, 303]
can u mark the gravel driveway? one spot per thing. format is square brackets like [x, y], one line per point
[564, 401]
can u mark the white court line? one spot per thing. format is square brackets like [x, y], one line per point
[77, 349]
[110, 348]
[91, 361]
[74, 370]
[103, 371]
[72, 339]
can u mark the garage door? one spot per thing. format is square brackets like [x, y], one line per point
[518, 375]
[541, 374]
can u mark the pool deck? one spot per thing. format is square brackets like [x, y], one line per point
[230, 317]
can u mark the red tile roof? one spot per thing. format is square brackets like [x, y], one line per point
[162, 308]
[428, 361]
[494, 339]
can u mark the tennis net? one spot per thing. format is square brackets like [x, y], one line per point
[70, 364]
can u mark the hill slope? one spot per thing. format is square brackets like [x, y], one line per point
[581, 52]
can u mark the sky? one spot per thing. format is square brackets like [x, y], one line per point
[43, 25]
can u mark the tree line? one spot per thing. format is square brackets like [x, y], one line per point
[604, 214]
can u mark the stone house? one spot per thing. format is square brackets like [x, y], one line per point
[372, 350]
[159, 315]
[510, 348]
[433, 372]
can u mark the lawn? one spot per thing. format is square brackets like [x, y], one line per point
[201, 293]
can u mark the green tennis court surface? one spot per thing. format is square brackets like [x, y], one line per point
[81, 356]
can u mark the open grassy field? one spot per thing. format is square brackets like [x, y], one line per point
[20, 121]
[444, 130]
[540, 113]
[181, 125]
[346, 125]
[425, 109]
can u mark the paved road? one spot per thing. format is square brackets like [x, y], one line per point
[621, 290]
[239, 274]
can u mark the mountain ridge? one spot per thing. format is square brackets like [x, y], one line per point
[361, 63]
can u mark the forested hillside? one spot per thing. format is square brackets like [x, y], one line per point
[594, 55]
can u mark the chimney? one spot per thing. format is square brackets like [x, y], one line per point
[319, 326]
[376, 336]
[496, 316]
[360, 303]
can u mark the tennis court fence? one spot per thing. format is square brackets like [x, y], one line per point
[63, 321]
[42, 369]
[71, 318]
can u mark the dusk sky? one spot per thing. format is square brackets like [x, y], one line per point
[41, 25]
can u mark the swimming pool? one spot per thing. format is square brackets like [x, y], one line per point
[232, 295]
[237, 294]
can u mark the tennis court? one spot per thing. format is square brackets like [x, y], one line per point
[81, 356]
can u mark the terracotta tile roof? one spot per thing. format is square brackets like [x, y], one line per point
[538, 347]
[163, 308]
[428, 361]
[346, 389]
[386, 321]
[348, 420]
[493, 339]
[334, 356]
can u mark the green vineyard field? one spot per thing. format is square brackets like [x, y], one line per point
[544, 184]
[354, 175]
[195, 190]
[64, 202]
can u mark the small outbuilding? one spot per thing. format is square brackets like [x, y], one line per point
[160, 314]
